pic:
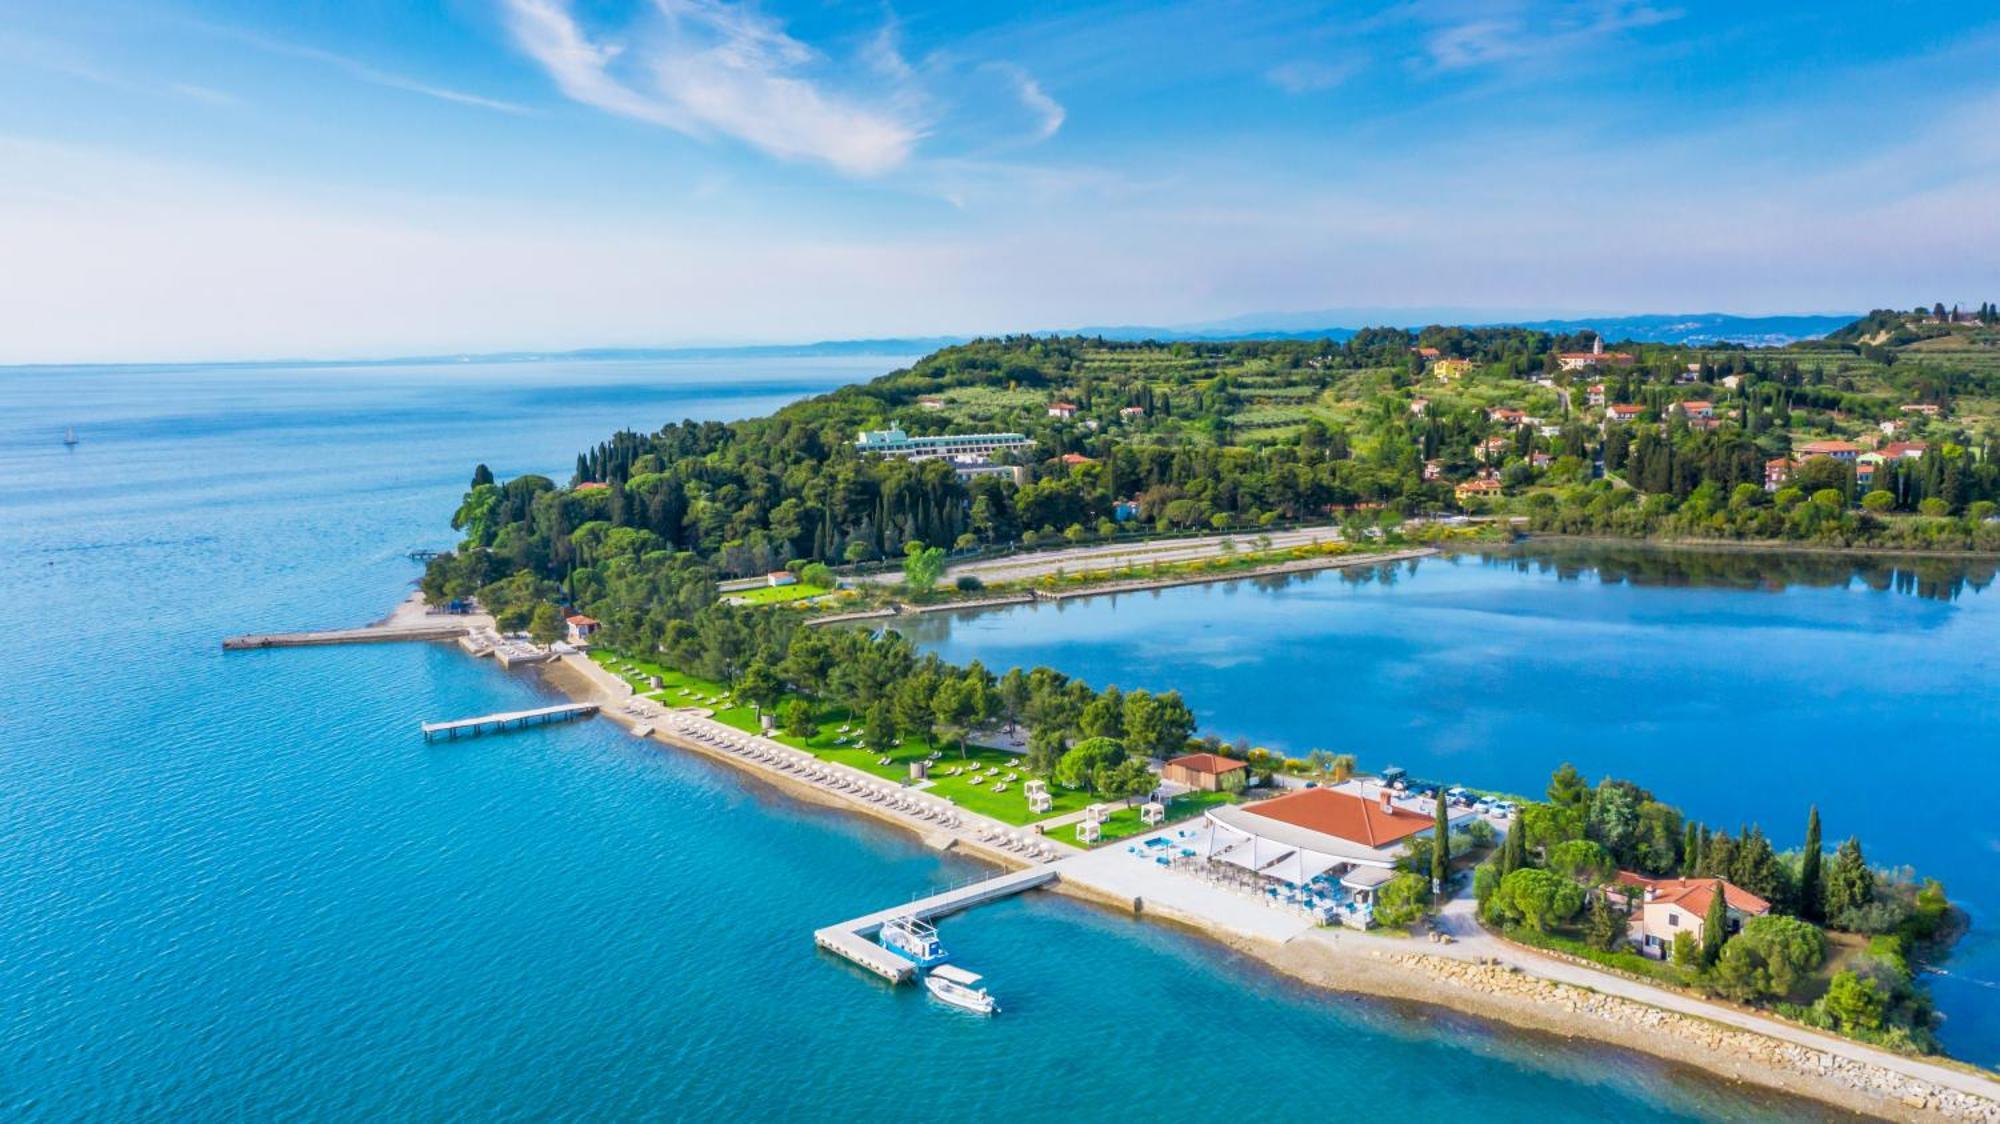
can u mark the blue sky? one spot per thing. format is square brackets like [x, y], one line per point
[227, 179]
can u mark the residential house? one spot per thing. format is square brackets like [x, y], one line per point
[776, 578]
[1479, 487]
[1062, 410]
[1427, 353]
[1905, 450]
[1207, 772]
[1671, 906]
[1777, 472]
[1596, 394]
[1074, 459]
[1925, 408]
[580, 628]
[1433, 470]
[1505, 415]
[1623, 412]
[1452, 368]
[931, 402]
[1732, 381]
[1838, 450]
[1495, 449]
[1699, 409]
[1420, 406]
[1131, 412]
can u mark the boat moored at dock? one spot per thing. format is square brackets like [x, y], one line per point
[913, 939]
[961, 989]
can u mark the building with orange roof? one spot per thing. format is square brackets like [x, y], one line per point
[1207, 772]
[1671, 906]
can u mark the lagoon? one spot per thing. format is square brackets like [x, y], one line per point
[242, 886]
[1742, 686]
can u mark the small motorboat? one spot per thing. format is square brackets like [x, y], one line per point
[961, 989]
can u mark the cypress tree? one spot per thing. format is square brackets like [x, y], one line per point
[1513, 849]
[1690, 850]
[1811, 896]
[1714, 926]
[1441, 847]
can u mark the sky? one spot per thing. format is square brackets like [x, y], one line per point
[228, 179]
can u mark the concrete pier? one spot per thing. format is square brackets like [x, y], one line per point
[854, 941]
[369, 635]
[509, 720]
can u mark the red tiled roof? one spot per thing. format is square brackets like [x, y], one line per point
[1903, 448]
[1344, 816]
[1213, 763]
[1075, 458]
[579, 619]
[1695, 894]
[1811, 447]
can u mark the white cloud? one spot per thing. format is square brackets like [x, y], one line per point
[1307, 76]
[1504, 37]
[364, 72]
[1048, 113]
[710, 68]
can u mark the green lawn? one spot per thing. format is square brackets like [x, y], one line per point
[778, 594]
[1010, 806]
[1125, 822]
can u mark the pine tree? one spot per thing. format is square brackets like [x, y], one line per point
[1714, 926]
[1811, 893]
[1849, 882]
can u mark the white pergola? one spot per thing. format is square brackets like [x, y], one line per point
[1282, 851]
[1153, 814]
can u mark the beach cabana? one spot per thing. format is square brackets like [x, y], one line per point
[1088, 831]
[1039, 800]
[1153, 814]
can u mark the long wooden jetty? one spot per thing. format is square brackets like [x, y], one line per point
[372, 634]
[508, 720]
[853, 939]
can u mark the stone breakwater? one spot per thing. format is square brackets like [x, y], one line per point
[1739, 1054]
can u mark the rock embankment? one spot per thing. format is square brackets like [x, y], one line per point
[1736, 1053]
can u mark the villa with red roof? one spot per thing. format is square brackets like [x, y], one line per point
[581, 628]
[1838, 450]
[1671, 906]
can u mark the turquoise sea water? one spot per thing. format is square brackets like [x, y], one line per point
[242, 887]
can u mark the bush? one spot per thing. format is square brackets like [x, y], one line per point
[969, 583]
[1481, 833]
[1401, 900]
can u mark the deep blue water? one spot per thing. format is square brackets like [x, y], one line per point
[1870, 695]
[242, 887]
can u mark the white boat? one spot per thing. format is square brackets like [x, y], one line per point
[913, 940]
[961, 989]
[69, 437]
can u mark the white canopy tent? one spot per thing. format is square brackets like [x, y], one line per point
[1279, 850]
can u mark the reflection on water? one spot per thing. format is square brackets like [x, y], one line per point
[1935, 578]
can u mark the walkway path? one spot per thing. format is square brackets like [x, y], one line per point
[1471, 941]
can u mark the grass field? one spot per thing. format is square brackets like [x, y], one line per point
[1010, 806]
[779, 594]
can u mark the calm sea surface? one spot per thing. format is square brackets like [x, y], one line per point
[242, 887]
[1742, 687]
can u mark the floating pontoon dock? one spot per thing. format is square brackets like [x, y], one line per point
[854, 939]
[510, 720]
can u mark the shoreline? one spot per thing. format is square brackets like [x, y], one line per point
[1746, 546]
[1378, 967]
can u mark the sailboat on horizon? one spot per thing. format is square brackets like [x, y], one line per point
[70, 438]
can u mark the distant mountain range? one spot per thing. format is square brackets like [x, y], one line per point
[1695, 329]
